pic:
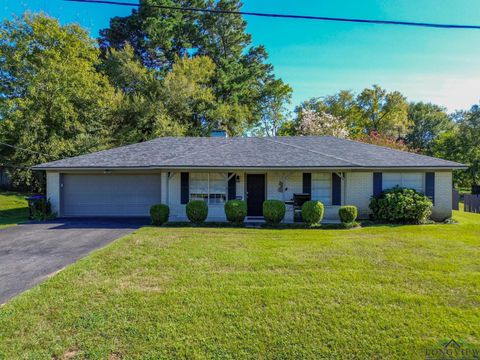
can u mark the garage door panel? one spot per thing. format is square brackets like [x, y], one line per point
[109, 195]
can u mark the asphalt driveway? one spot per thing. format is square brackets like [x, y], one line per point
[29, 253]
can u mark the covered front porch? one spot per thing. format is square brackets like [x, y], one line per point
[254, 187]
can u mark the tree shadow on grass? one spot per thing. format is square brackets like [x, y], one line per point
[13, 209]
[13, 216]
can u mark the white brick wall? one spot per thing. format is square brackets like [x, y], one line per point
[442, 208]
[53, 191]
[358, 190]
[292, 183]
[177, 210]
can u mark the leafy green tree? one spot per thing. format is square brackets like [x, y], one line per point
[274, 113]
[429, 121]
[181, 102]
[383, 112]
[462, 144]
[188, 96]
[374, 109]
[159, 37]
[53, 101]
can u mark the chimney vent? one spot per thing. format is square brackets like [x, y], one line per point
[218, 133]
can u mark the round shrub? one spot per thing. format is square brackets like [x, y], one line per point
[312, 212]
[236, 211]
[348, 214]
[159, 214]
[197, 211]
[400, 205]
[273, 211]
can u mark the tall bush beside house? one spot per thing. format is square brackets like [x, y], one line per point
[40, 208]
[159, 214]
[273, 211]
[312, 212]
[236, 211]
[348, 214]
[197, 211]
[400, 205]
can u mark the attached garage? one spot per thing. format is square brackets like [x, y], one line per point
[109, 195]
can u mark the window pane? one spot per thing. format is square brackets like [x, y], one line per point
[198, 186]
[390, 180]
[218, 188]
[413, 181]
[406, 180]
[322, 187]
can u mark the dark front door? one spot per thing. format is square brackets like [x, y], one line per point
[255, 194]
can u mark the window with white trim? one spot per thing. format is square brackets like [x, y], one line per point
[209, 187]
[322, 187]
[406, 180]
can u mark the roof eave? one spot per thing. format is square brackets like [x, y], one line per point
[168, 167]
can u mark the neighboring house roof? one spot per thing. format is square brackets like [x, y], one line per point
[250, 152]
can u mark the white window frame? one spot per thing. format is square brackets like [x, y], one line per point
[403, 180]
[208, 195]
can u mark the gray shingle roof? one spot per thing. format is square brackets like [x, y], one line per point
[253, 152]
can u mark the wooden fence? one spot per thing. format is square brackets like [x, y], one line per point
[455, 199]
[472, 203]
[4, 178]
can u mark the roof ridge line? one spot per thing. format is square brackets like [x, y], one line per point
[193, 152]
[312, 151]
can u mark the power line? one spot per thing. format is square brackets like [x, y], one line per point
[5, 165]
[27, 150]
[286, 16]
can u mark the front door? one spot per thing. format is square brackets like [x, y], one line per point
[255, 194]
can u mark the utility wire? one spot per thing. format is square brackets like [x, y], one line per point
[286, 16]
[26, 150]
[5, 164]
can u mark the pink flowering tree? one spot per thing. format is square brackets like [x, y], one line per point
[313, 122]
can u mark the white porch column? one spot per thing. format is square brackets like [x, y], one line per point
[164, 187]
[53, 191]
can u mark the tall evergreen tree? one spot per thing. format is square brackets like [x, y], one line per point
[159, 37]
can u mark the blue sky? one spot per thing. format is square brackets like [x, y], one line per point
[320, 58]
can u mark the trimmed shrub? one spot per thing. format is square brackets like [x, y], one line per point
[348, 214]
[312, 212]
[400, 205]
[273, 211]
[197, 211]
[159, 214]
[236, 211]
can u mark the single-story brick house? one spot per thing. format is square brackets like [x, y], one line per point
[126, 181]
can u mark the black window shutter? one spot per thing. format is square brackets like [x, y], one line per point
[336, 189]
[232, 186]
[184, 187]
[307, 183]
[430, 185]
[377, 183]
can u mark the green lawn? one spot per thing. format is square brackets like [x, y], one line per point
[13, 209]
[378, 293]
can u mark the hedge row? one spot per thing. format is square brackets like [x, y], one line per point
[236, 211]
